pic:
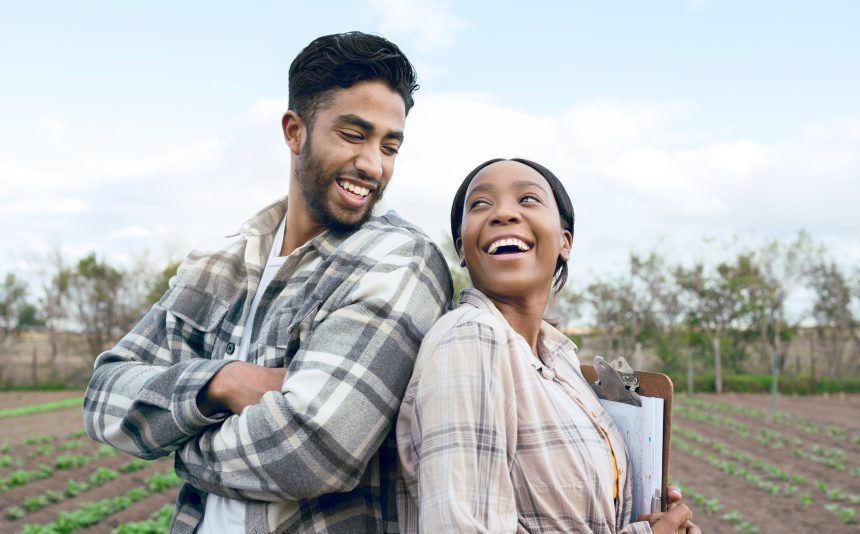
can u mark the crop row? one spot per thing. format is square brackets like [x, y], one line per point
[93, 512]
[791, 482]
[808, 426]
[39, 440]
[158, 523]
[22, 477]
[41, 407]
[833, 457]
[72, 489]
[712, 505]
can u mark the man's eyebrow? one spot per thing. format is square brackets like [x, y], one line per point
[358, 122]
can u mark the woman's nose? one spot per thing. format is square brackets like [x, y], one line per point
[504, 215]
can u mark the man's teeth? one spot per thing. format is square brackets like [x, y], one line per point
[357, 189]
[507, 243]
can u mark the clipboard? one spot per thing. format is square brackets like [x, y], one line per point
[652, 385]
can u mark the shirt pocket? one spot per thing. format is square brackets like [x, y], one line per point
[193, 320]
[291, 331]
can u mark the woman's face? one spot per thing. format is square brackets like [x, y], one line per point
[511, 233]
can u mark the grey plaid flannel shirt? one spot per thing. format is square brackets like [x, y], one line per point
[319, 456]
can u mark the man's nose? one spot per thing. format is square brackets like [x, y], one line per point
[369, 161]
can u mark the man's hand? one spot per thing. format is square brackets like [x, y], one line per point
[237, 385]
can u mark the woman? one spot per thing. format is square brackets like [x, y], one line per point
[499, 431]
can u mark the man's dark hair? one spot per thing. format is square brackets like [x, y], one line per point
[562, 200]
[342, 60]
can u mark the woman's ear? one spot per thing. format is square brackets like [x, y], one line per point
[294, 131]
[566, 245]
[459, 246]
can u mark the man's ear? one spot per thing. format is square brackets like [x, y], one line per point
[459, 246]
[566, 245]
[294, 131]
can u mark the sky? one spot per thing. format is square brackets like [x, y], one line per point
[692, 127]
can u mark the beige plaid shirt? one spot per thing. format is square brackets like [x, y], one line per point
[492, 439]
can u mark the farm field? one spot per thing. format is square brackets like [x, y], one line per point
[743, 471]
[51, 472]
[740, 470]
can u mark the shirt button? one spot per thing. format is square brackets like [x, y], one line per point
[231, 347]
[547, 373]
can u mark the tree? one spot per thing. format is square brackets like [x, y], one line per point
[13, 294]
[610, 300]
[160, 284]
[831, 310]
[459, 274]
[714, 302]
[647, 285]
[54, 304]
[781, 269]
[95, 291]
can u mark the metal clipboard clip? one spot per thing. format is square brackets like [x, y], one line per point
[616, 382]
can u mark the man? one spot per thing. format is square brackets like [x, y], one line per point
[275, 364]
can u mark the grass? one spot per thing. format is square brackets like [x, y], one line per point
[43, 407]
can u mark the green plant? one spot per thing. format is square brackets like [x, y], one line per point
[73, 488]
[158, 523]
[713, 506]
[71, 461]
[732, 517]
[836, 495]
[101, 476]
[162, 481]
[134, 465]
[845, 515]
[39, 408]
[14, 513]
[806, 499]
[35, 503]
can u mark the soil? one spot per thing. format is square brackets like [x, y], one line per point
[780, 513]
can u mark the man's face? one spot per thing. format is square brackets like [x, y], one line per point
[348, 157]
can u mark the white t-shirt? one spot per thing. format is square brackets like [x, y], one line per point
[222, 513]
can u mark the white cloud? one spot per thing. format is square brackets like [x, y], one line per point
[430, 23]
[638, 174]
[134, 231]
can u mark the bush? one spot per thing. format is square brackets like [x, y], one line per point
[802, 384]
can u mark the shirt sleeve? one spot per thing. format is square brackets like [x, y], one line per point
[142, 397]
[463, 433]
[341, 394]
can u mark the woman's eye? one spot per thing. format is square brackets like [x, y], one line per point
[391, 150]
[477, 203]
[528, 199]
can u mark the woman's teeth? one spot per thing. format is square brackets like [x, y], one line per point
[507, 243]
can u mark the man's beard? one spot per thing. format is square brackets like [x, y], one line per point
[314, 185]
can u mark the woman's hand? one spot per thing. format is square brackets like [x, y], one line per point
[677, 519]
